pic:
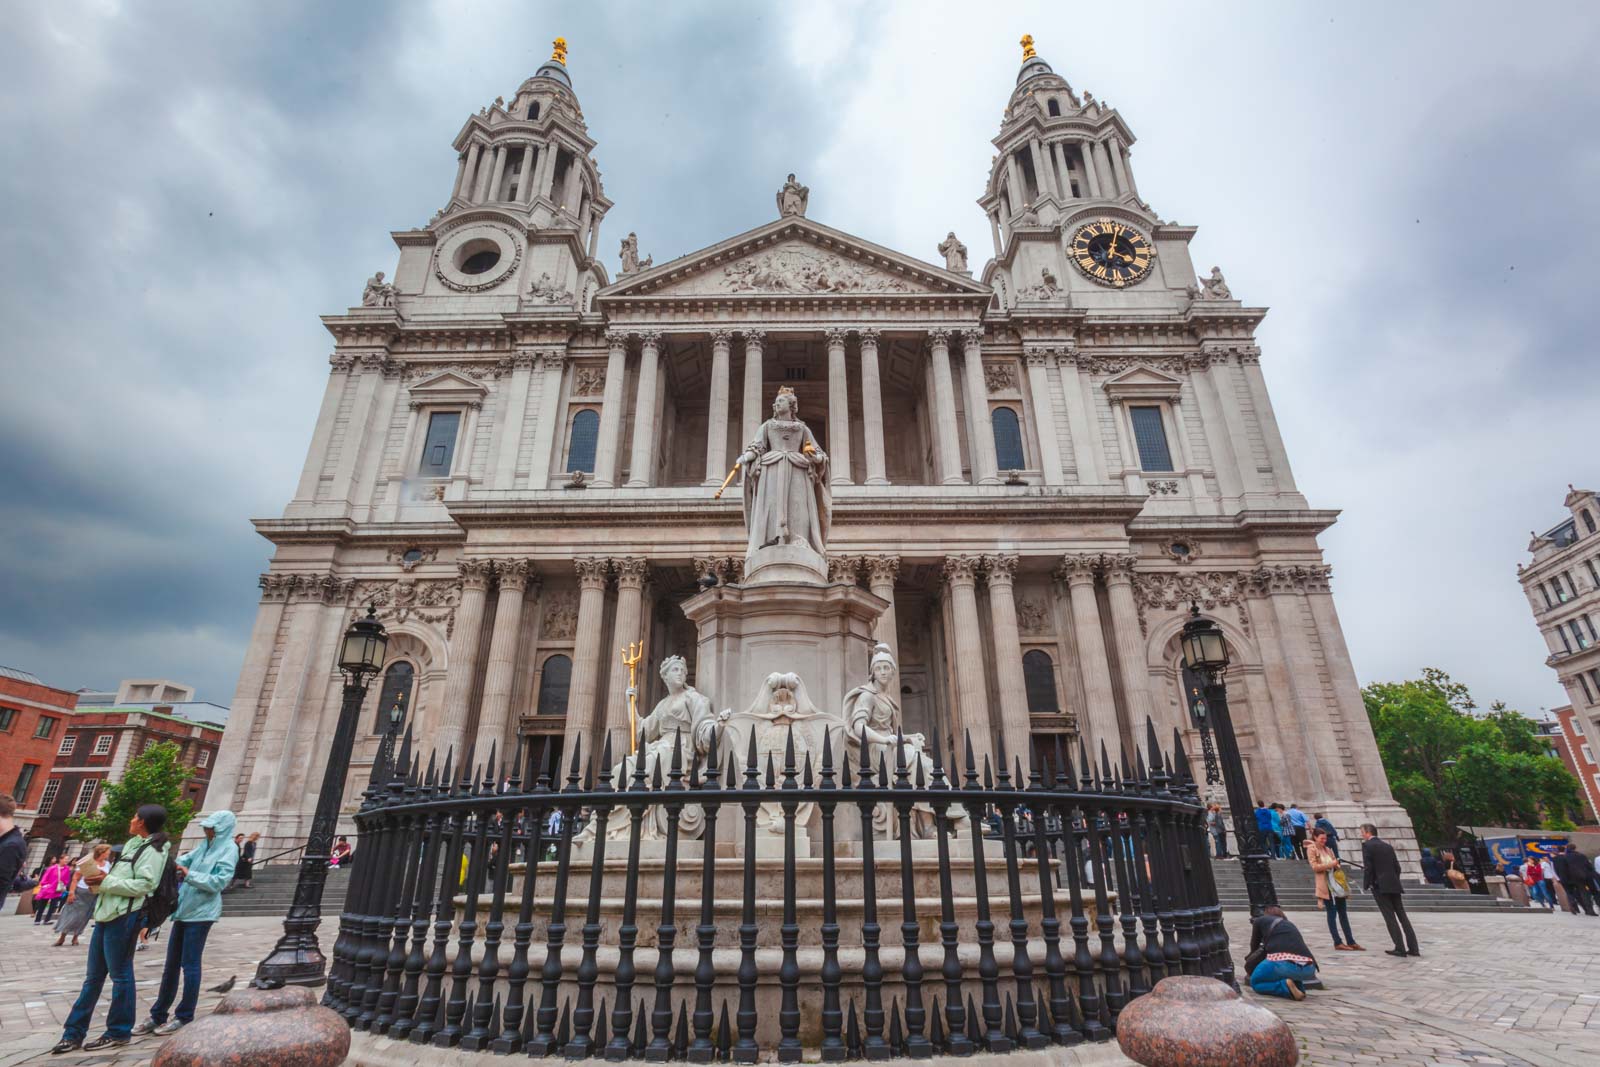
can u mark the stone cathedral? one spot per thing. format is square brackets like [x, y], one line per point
[528, 465]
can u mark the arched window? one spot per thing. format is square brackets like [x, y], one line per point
[581, 440]
[1039, 678]
[397, 682]
[1588, 520]
[533, 110]
[1007, 439]
[554, 683]
[1054, 107]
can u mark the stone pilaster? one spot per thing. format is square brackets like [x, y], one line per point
[243, 712]
[610, 443]
[500, 675]
[972, 690]
[754, 414]
[1015, 725]
[464, 645]
[587, 655]
[717, 419]
[1101, 725]
[1135, 674]
[838, 410]
[1044, 416]
[641, 467]
[631, 577]
[881, 574]
[943, 423]
[552, 364]
[872, 409]
[980, 429]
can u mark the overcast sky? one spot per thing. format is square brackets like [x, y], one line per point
[1414, 190]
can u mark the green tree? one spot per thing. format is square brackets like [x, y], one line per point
[1449, 766]
[154, 776]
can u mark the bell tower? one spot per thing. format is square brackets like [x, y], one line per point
[1057, 151]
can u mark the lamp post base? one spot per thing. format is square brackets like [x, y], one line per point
[294, 961]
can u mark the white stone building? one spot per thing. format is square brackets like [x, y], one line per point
[1562, 584]
[1039, 468]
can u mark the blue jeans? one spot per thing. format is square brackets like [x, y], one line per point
[1270, 975]
[184, 947]
[1542, 892]
[110, 953]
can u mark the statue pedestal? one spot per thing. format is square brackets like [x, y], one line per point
[821, 632]
[797, 562]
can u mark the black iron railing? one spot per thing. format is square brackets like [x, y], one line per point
[1105, 890]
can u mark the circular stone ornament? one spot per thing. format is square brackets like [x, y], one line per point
[1189, 1021]
[476, 256]
[261, 1028]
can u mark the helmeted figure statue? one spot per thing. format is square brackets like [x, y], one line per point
[786, 495]
[872, 715]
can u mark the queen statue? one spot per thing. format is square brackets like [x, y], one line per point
[786, 496]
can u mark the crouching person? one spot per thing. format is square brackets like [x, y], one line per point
[206, 870]
[1287, 964]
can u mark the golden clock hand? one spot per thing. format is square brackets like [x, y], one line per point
[1111, 250]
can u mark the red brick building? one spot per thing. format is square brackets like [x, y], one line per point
[1566, 739]
[33, 718]
[97, 744]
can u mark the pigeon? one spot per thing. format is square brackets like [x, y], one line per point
[225, 986]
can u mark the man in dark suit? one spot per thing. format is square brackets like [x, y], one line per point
[1572, 867]
[1382, 879]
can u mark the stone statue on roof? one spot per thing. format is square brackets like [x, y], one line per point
[954, 253]
[792, 198]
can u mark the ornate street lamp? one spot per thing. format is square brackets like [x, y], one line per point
[1205, 652]
[1201, 716]
[297, 959]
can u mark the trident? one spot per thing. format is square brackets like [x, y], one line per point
[631, 655]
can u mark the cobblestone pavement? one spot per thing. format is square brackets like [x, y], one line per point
[1513, 990]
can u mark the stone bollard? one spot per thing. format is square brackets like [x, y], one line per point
[261, 1028]
[1189, 1021]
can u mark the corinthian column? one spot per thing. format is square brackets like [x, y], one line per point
[605, 457]
[1015, 725]
[641, 468]
[717, 419]
[881, 573]
[631, 576]
[1044, 416]
[980, 432]
[961, 575]
[943, 423]
[872, 409]
[1130, 647]
[838, 410]
[586, 652]
[1102, 706]
[502, 668]
[753, 340]
[464, 644]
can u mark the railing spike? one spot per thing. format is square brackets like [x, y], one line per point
[446, 779]
[805, 777]
[936, 1027]
[771, 779]
[852, 1033]
[897, 1034]
[577, 759]
[1085, 773]
[432, 755]
[1152, 744]
[988, 773]
[827, 758]
[845, 774]
[1002, 765]
[1063, 764]
[1019, 772]
[469, 769]
[564, 1028]
[655, 778]
[921, 781]
[516, 766]
[491, 769]
[974, 1030]
[788, 752]
[1105, 762]
[680, 1042]
[750, 766]
[883, 772]
[724, 1034]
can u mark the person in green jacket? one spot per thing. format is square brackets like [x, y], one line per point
[206, 871]
[119, 896]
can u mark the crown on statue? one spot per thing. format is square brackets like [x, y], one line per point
[784, 390]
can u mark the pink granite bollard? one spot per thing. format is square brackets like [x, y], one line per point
[261, 1028]
[1189, 1021]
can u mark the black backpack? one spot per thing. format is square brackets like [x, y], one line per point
[163, 899]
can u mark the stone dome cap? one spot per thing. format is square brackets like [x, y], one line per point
[1032, 65]
[555, 68]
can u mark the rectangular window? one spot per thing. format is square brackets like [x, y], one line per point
[7, 717]
[85, 802]
[1588, 624]
[204, 759]
[102, 744]
[1150, 436]
[1577, 634]
[1548, 603]
[48, 797]
[1588, 694]
[46, 727]
[68, 743]
[1572, 586]
[439, 447]
[1588, 753]
[1565, 643]
[24, 782]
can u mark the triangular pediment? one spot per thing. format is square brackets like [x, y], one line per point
[1143, 381]
[794, 257]
[448, 386]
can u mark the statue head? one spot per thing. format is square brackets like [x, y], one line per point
[674, 671]
[378, 277]
[791, 177]
[882, 666]
[781, 689]
[786, 398]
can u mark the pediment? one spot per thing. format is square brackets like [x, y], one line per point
[448, 387]
[794, 257]
[1143, 381]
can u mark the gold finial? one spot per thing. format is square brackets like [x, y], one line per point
[560, 53]
[1027, 47]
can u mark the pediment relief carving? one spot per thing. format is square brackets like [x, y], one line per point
[793, 267]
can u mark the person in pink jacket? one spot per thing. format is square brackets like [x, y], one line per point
[54, 883]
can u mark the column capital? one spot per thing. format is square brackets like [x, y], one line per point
[475, 573]
[617, 338]
[755, 339]
[939, 339]
[515, 574]
[650, 339]
[837, 337]
[1118, 567]
[844, 568]
[552, 359]
[523, 359]
[721, 338]
[1000, 570]
[869, 336]
[971, 339]
[632, 572]
[882, 570]
[961, 570]
[592, 573]
[1078, 568]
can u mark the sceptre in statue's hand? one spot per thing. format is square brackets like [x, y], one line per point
[718, 494]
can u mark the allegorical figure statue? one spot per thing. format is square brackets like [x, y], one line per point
[631, 264]
[792, 198]
[786, 494]
[780, 715]
[954, 253]
[378, 293]
[872, 716]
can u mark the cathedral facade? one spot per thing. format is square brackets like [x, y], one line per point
[1039, 466]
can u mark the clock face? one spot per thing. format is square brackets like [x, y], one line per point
[1111, 253]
